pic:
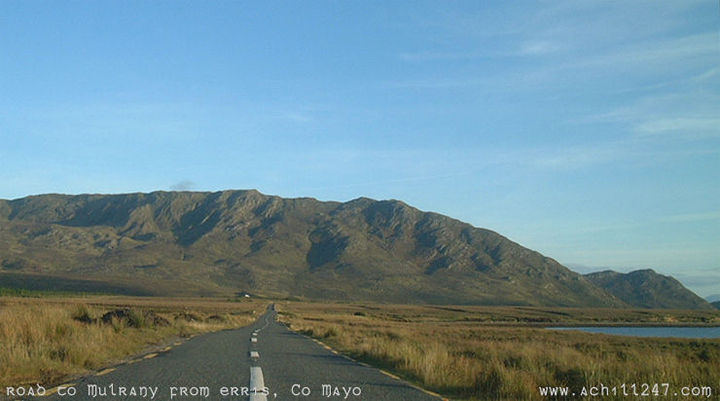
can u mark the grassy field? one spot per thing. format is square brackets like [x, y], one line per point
[45, 339]
[461, 352]
[501, 353]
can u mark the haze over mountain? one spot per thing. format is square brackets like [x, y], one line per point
[648, 289]
[222, 243]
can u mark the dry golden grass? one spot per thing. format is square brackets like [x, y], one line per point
[461, 358]
[41, 340]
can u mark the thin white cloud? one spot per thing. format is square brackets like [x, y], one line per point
[689, 126]
[628, 150]
[538, 48]
[687, 114]
[526, 48]
[443, 83]
[577, 157]
[649, 58]
[655, 53]
[690, 217]
[707, 75]
[438, 56]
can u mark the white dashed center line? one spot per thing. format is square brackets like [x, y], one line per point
[258, 392]
[257, 384]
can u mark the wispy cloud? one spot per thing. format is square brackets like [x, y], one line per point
[439, 56]
[576, 34]
[627, 151]
[536, 48]
[688, 50]
[689, 126]
[184, 185]
[706, 75]
[679, 113]
[649, 57]
[526, 48]
[577, 156]
[443, 83]
[691, 217]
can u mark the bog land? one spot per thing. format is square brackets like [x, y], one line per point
[459, 352]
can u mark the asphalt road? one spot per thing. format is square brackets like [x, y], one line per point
[229, 365]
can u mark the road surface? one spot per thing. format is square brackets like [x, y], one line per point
[264, 361]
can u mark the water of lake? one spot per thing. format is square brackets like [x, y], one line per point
[682, 332]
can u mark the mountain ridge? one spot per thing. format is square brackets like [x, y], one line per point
[646, 288]
[220, 243]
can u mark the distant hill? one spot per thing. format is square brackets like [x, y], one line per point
[713, 298]
[648, 289]
[716, 304]
[223, 243]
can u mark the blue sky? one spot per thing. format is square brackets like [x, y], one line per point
[587, 130]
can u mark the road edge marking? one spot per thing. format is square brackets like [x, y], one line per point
[105, 371]
[386, 373]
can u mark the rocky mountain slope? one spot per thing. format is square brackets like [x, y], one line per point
[222, 243]
[648, 289]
